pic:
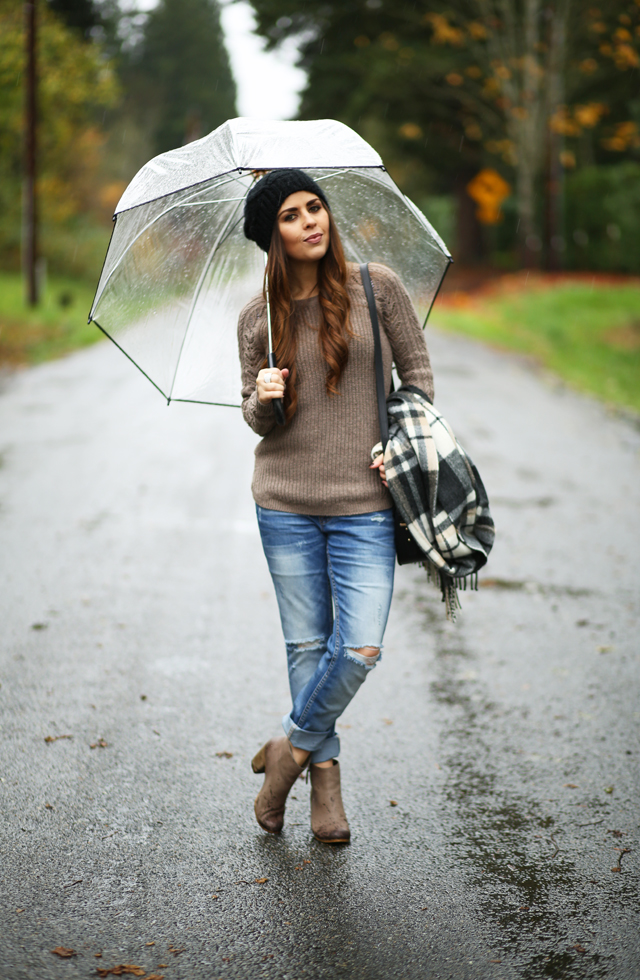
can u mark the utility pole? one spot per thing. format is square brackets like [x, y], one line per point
[30, 239]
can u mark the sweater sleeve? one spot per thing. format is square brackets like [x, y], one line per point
[403, 330]
[252, 344]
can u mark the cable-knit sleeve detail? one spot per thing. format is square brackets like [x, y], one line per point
[403, 330]
[252, 345]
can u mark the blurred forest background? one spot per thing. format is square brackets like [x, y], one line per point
[513, 124]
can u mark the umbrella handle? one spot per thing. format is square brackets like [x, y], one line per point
[278, 407]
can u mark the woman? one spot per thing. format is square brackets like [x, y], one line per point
[324, 510]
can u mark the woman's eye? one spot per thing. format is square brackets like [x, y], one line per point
[314, 207]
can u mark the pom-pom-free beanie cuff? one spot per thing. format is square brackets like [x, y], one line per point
[265, 198]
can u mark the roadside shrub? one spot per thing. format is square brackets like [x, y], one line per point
[602, 218]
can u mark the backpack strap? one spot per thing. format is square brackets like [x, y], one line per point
[377, 353]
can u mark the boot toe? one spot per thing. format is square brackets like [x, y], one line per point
[338, 836]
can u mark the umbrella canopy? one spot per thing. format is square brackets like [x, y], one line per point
[178, 269]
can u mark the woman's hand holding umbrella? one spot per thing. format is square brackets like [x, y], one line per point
[271, 384]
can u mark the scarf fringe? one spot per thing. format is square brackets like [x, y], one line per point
[449, 587]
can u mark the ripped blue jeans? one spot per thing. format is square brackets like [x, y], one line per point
[333, 578]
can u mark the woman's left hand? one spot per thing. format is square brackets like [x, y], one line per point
[378, 464]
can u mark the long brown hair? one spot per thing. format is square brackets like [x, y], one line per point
[335, 305]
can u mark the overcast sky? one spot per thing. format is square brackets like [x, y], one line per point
[268, 84]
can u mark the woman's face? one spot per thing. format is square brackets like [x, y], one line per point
[303, 222]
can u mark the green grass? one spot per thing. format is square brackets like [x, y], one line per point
[587, 334]
[56, 326]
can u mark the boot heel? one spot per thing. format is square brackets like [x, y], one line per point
[259, 760]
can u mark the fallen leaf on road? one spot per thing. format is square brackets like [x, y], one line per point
[48, 806]
[225, 755]
[388, 721]
[214, 896]
[523, 908]
[306, 861]
[622, 851]
[121, 969]
[609, 789]
[39, 626]
[163, 966]
[605, 649]
[19, 910]
[143, 697]
[149, 944]
[98, 956]
[617, 833]
[579, 948]
[154, 976]
[495, 961]
[393, 802]
[261, 881]
[175, 949]
[63, 952]
[54, 738]
[571, 786]
[100, 744]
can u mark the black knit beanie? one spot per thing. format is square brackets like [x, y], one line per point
[265, 197]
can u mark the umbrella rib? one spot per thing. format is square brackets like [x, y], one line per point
[435, 295]
[135, 363]
[199, 401]
[198, 288]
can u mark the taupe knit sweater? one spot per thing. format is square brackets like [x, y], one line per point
[319, 462]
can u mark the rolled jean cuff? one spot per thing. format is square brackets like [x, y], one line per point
[330, 749]
[322, 745]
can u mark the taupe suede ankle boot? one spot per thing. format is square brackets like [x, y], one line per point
[329, 823]
[275, 760]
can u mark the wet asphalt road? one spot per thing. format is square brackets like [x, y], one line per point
[137, 610]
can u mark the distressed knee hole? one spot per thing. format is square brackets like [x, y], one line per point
[303, 654]
[371, 652]
[302, 646]
[365, 656]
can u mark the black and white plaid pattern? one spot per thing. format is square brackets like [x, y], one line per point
[436, 488]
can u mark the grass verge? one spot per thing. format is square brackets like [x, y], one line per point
[56, 326]
[585, 330]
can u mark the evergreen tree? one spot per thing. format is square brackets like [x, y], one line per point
[83, 15]
[445, 88]
[181, 72]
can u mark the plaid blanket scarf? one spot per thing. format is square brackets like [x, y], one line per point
[438, 493]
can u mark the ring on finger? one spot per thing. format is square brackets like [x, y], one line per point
[267, 378]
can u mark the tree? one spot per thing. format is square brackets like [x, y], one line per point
[530, 86]
[76, 84]
[82, 15]
[180, 75]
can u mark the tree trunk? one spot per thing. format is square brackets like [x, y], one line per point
[469, 244]
[30, 241]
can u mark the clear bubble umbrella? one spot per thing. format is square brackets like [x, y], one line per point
[178, 269]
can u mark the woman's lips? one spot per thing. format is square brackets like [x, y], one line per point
[314, 239]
